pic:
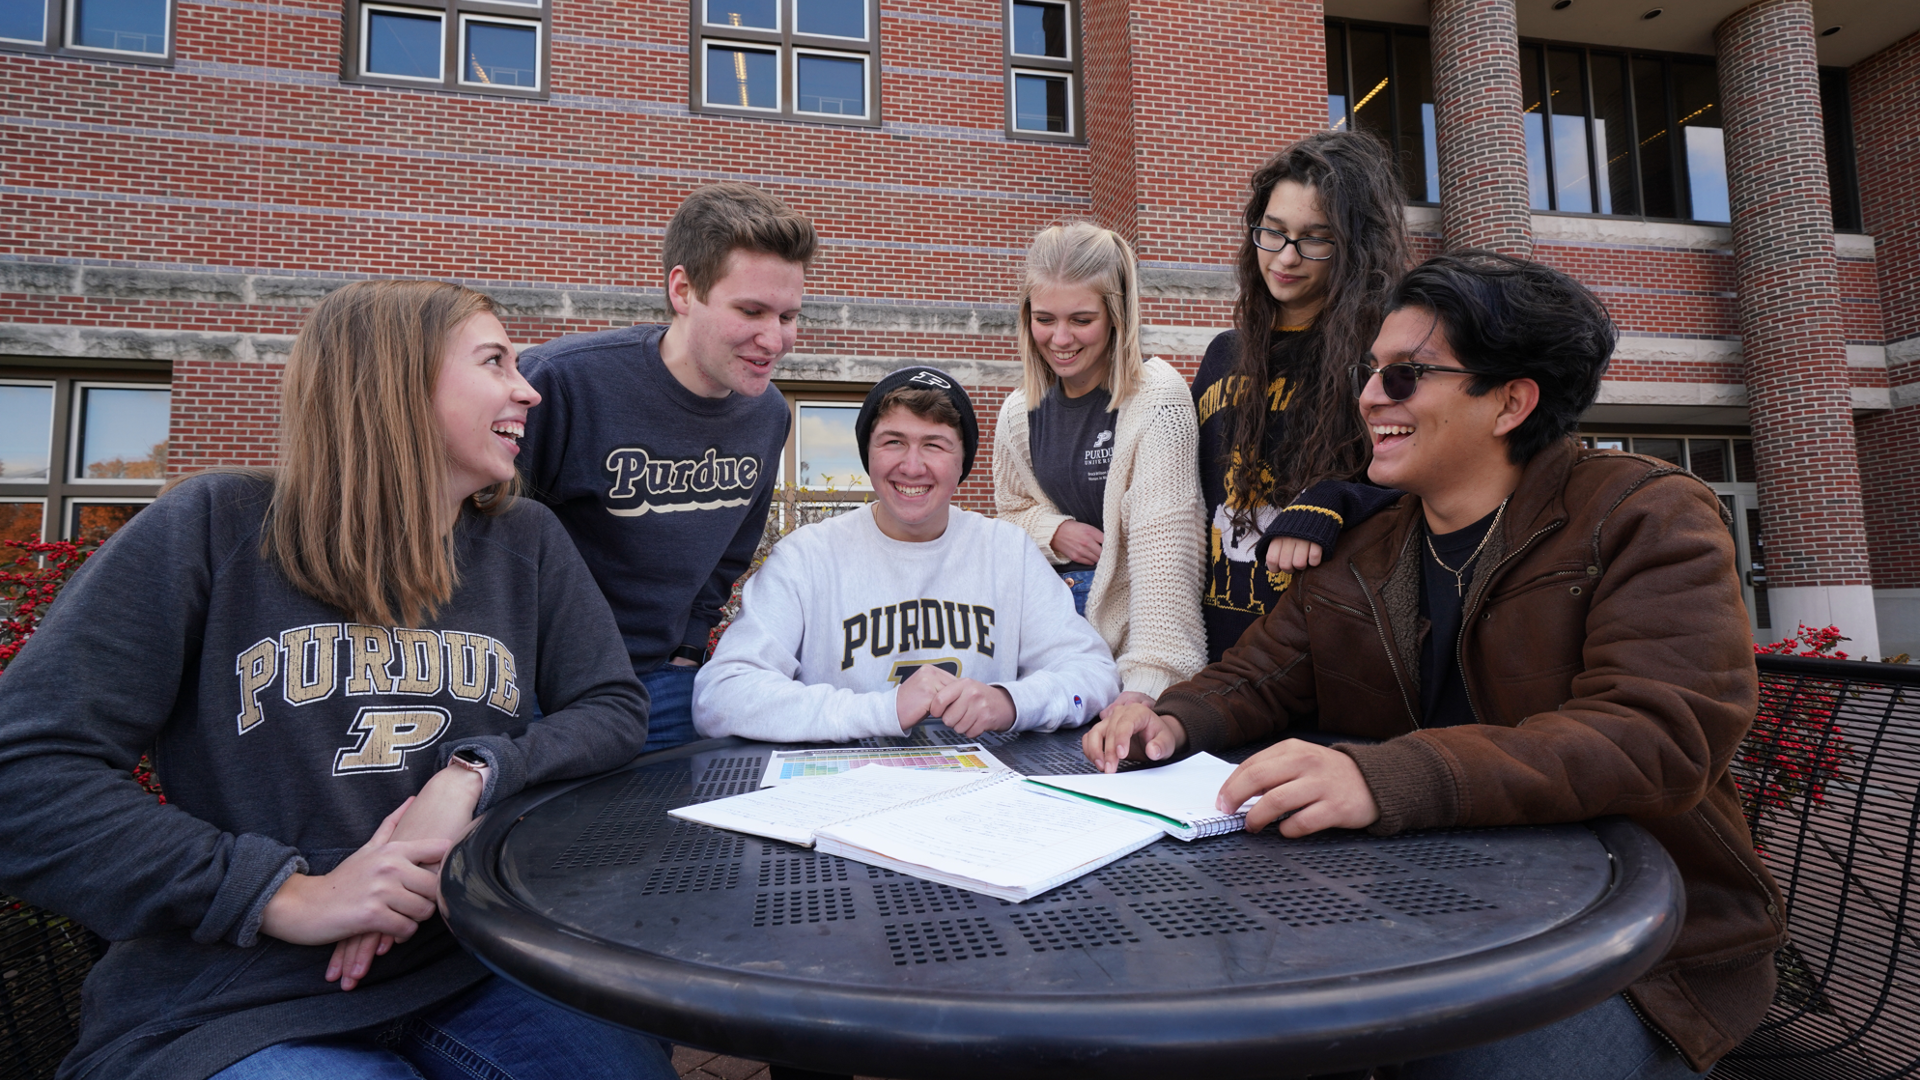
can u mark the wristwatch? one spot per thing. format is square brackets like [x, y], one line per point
[688, 652]
[468, 759]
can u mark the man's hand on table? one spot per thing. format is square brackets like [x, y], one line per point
[1134, 732]
[968, 706]
[1320, 787]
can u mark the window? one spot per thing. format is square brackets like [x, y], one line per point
[1043, 70]
[1836, 112]
[820, 471]
[794, 59]
[140, 30]
[1620, 133]
[490, 47]
[1380, 79]
[79, 454]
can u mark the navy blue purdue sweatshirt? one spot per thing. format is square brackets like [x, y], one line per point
[283, 733]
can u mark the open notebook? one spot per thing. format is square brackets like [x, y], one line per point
[1179, 798]
[994, 835]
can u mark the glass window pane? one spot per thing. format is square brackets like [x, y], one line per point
[1743, 470]
[1656, 148]
[1709, 460]
[1371, 108]
[502, 54]
[1664, 449]
[1336, 78]
[1836, 116]
[1609, 444]
[1567, 100]
[123, 434]
[1040, 103]
[1535, 115]
[403, 46]
[21, 521]
[94, 522]
[1612, 135]
[830, 84]
[743, 78]
[127, 25]
[26, 432]
[758, 14]
[1696, 101]
[827, 453]
[24, 20]
[834, 18]
[1419, 153]
[1040, 30]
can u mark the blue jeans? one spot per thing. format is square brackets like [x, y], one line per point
[670, 716]
[495, 1031]
[1607, 1042]
[1081, 582]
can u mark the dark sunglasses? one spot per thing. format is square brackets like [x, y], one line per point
[1398, 380]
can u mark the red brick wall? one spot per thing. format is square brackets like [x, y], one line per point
[1482, 143]
[1886, 108]
[1793, 342]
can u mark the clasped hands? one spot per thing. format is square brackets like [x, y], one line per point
[968, 706]
[381, 893]
[1304, 786]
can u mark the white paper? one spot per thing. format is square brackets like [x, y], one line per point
[1185, 790]
[794, 812]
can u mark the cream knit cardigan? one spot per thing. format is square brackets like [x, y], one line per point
[1145, 600]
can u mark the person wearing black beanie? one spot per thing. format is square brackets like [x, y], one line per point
[920, 377]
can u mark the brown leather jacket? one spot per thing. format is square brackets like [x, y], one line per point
[1607, 655]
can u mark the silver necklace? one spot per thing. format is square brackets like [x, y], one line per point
[1459, 576]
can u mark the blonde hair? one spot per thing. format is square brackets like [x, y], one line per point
[358, 500]
[1082, 253]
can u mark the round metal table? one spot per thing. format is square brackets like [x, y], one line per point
[1238, 956]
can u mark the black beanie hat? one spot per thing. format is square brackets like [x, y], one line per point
[920, 377]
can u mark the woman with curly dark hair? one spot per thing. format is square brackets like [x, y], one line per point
[1283, 452]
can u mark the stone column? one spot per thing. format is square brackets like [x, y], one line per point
[1795, 354]
[1886, 109]
[1480, 131]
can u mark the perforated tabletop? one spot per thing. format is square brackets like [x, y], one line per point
[1238, 955]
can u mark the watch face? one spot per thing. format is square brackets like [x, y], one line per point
[470, 757]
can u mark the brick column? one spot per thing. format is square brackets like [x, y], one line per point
[1795, 354]
[1481, 136]
[1885, 89]
[1111, 146]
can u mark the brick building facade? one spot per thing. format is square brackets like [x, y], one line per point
[178, 193]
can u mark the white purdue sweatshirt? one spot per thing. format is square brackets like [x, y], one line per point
[841, 614]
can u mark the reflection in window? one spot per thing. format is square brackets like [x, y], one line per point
[833, 85]
[24, 20]
[26, 431]
[136, 26]
[123, 434]
[22, 520]
[93, 522]
[1572, 170]
[400, 45]
[743, 78]
[1613, 135]
[1380, 80]
[502, 54]
[1040, 30]
[832, 18]
[1534, 116]
[1696, 97]
[1040, 103]
[757, 14]
[1710, 460]
[826, 452]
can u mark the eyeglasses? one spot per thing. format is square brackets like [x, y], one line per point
[1398, 380]
[1317, 248]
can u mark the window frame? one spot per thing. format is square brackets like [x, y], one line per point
[1395, 32]
[60, 491]
[56, 37]
[788, 45]
[796, 394]
[453, 16]
[1073, 68]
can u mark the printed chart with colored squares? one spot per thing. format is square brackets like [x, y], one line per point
[788, 765]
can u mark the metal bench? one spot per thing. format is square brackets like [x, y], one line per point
[1830, 777]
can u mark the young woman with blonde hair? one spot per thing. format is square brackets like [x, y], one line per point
[1095, 457]
[334, 667]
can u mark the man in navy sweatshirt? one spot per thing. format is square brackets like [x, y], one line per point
[658, 446]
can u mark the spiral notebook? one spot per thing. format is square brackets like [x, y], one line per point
[1177, 797]
[993, 835]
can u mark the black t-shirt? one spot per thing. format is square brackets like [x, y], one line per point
[1071, 442]
[1443, 694]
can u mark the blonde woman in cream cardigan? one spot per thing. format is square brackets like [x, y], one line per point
[1096, 457]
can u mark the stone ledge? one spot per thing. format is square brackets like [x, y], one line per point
[1648, 392]
[110, 343]
[1173, 284]
[1676, 350]
[1631, 232]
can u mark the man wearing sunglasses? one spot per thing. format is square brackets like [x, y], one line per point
[1537, 633]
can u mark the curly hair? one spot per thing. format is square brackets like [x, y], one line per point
[1358, 187]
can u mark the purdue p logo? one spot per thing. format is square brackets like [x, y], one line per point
[928, 378]
[387, 736]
